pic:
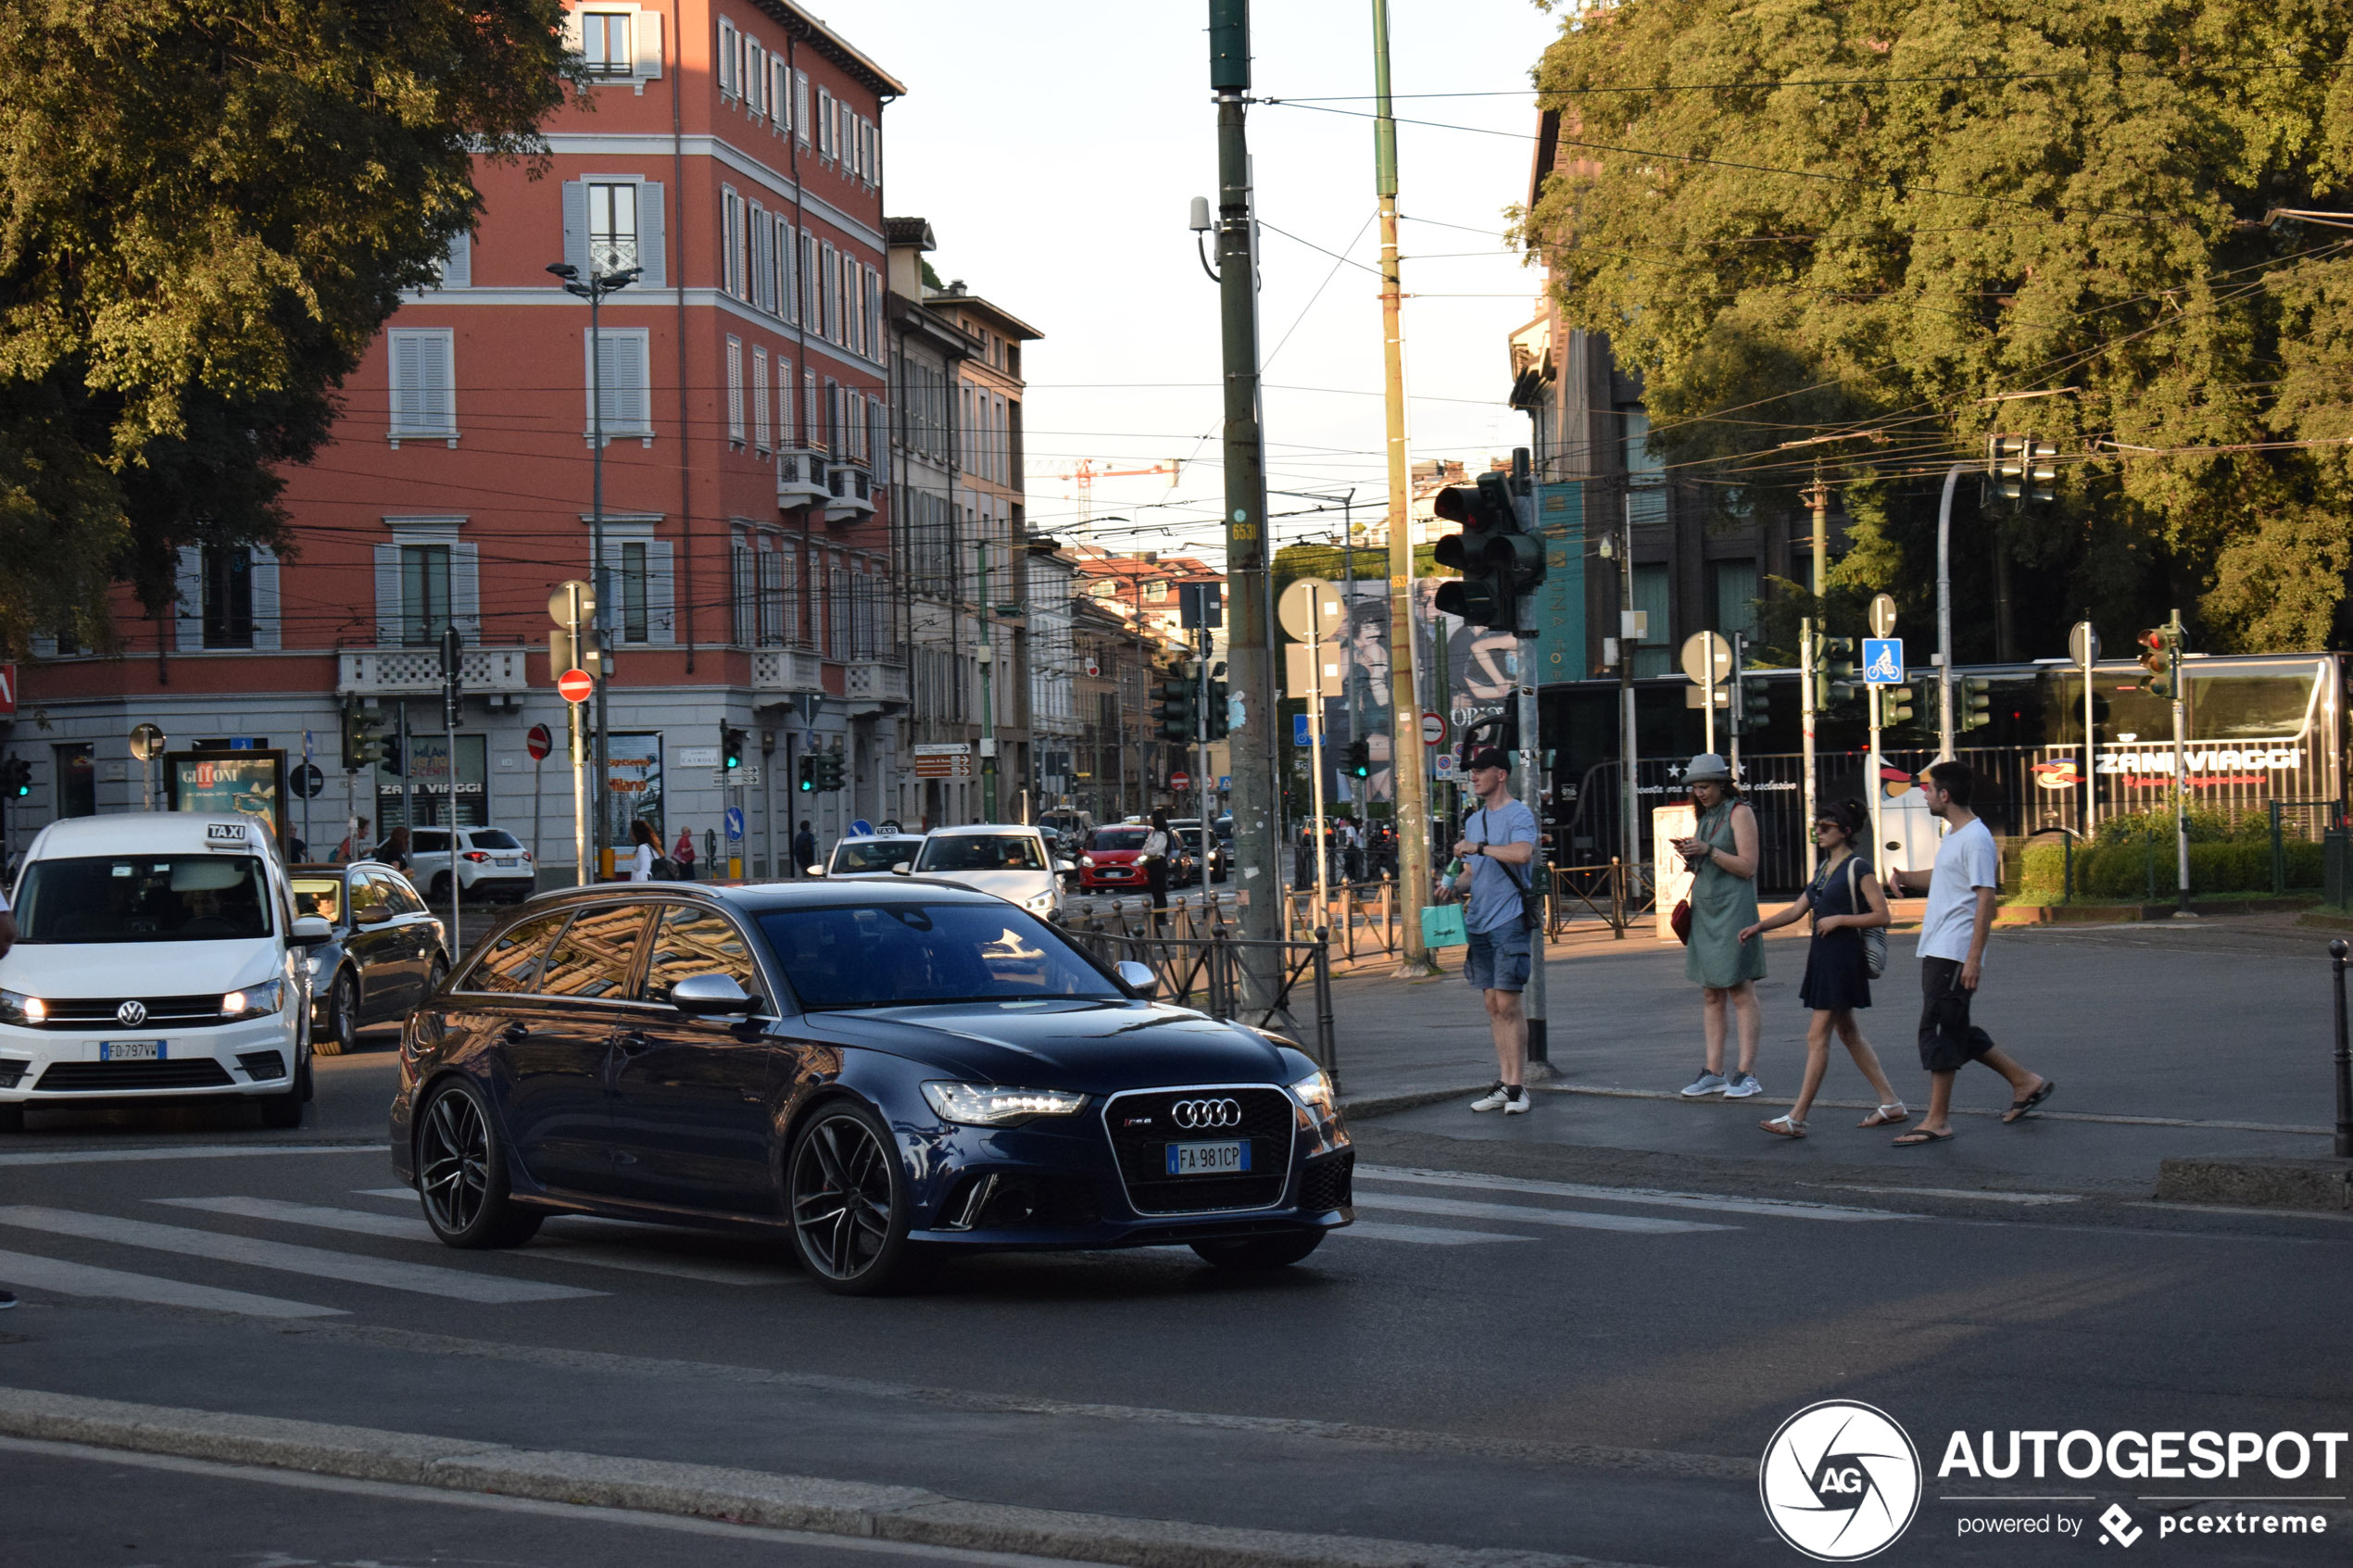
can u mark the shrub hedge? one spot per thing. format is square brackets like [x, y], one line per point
[2119, 871]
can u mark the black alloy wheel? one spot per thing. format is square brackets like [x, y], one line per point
[440, 888]
[436, 974]
[848, 1203]
[343, 1017]
[461, 1175]
[1259, 1252]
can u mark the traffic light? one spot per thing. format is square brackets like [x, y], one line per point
[2021, 468]
[806, 773]
[1834, 672]
[363, 738]
[1977, 703]
[731, 748]
[1752, 704]
[388, 753]
[1500, 562]
[832, 770]
[1360, 759]
[1214, 717]
[16, 779]
[1173, 715]
[1894, 707]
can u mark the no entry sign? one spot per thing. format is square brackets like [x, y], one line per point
[575, 685]
[539, 743]
[1180, 779]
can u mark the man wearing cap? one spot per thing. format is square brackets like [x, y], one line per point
[1498, 854]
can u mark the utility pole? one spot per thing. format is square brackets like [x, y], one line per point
[986, 618]
[1405, 708]
[1818, 499]
[2173, 645]
[1629, 792]
[1250, 634]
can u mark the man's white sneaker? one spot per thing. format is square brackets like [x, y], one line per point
[1743, 1085]
[1520, 1102]
[1705, 1084]
[1493, 1099]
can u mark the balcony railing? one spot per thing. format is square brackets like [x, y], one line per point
[400, 672]
[800, 479]
[853, 492]
[876, 682]
[787, 670]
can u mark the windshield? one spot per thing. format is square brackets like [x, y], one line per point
[493, 838]
[981, 852]
[1120, 838]
[321, 896]
[874, 855]
[143, 898]
[907, 954]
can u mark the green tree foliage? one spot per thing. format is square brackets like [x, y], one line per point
[208, 208]
[1804, 216]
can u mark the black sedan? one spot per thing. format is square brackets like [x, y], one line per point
[883, 1073]
[387, 954]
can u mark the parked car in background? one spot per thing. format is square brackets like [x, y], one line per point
[492, 864]
[385, 953]
[1198, 862]
[158, 957]
[1011, 859]
[870, 854]
[1112, 861]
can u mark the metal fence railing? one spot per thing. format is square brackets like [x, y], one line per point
[1285, 987]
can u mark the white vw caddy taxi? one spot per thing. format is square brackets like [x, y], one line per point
[158, 957]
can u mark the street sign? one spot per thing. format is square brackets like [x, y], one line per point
[1883, 661]
[571, 603]
[735, 824]
[1312, 610]
[1299, 729]
[1445, 764]
[2083, 643]
[944, 760]
[1700, 650]
[309, 781]
[539, 743]
[573, 685]
[147, 743]
[1181, 781]
[745, 777]
[1225, 781]
[306, 746]
[1314, 667]
[1882, 616]
[861, 828]
[698, 756]
[1433, 730]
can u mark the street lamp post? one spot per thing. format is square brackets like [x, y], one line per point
[594, 290]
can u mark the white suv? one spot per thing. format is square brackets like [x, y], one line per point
[158, 957]
[1013, 861]
[492, 863]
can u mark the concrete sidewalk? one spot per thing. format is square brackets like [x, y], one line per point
[2209, 1039]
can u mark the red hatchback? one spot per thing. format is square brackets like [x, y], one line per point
[1113, 862]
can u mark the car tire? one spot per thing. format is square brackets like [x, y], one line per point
[847, 1203]
[284, 1110]
[1259, 1252]
[436, 974]
[11, 1118]
[343, 1016]
[462, 1174]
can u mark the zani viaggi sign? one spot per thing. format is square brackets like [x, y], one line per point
[1840, 1481]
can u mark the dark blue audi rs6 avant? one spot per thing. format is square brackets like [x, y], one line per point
[882, 1072]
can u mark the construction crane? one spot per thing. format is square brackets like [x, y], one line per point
[1089, 469]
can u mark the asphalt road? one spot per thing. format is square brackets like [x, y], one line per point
[1494, 1356]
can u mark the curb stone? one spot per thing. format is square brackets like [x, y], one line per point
[746, 1497]
[2324, 1183]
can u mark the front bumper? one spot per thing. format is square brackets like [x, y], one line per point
[254, 1057]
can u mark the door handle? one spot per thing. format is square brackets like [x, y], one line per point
[632, 1043]
[515, 1034]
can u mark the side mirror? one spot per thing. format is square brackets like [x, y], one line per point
[709, 996]
[1140, 978]
[816, 870]
[904, 868]
[311, 930]
[1066, 867]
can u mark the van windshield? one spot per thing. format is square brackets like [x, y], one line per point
[143, 898]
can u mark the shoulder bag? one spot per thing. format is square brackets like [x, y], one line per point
[1531, 902]
[1874, 937]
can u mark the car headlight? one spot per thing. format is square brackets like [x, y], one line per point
[1039, 905]
[1085, 859]
[254, 1002]
[18, 1008]
[1315, 1093]
[987, 1105]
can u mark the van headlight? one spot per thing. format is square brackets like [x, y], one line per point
[986, 1105]
[18, 1008]
[1042, 904]
[254, 1002]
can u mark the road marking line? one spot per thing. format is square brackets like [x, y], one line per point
[2102, 1118]
[1422, 1236]
[82, 1279]
[1575, 1219]
[405, 1195]
[563, 1248]
[193, 1151]
[2029, 1198]
[1786, 1208]
[423, 1279]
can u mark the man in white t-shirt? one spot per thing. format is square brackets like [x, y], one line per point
[1960, 916]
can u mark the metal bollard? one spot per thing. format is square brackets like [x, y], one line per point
[2344, 1057]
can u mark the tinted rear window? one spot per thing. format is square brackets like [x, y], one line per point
[510, 961]
[593, 957]
[879, 855]
[492, 838]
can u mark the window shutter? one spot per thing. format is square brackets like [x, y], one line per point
[576, 225]
[264, 600]
[660, 593]
[458, 263]
[800, 105]
[465, 590]
[187, 587]
[760, 398]
[628, 365]
[741, 563]
[825, 124]
[779, 93]
[755, 74]
[407, 384]
[784, 431]
[726, 59]
[874, 314]
[652, 238]
[388, 596]
[878, 154]
[758, 293]
[731, 222]
[736, 390]
[645, 44]
[438, 412]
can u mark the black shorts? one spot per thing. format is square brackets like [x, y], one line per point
[1948, 1040]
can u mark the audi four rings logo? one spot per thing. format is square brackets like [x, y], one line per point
[132, 1013]
[1201, 1115]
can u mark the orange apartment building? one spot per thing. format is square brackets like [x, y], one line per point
[733, 151]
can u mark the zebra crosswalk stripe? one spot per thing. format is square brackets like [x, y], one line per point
[1421, 1236]
[1521, 1213]
[82, 1279]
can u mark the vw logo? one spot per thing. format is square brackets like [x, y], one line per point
[132, 1014]
[1201, 1115]
[1841, 1480]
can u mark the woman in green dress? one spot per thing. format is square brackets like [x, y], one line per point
[1722, 854]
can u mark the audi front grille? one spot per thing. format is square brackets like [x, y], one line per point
[1143, 1123]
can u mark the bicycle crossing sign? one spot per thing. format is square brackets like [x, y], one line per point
[1883, 661]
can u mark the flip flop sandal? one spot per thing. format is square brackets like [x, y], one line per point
[1920, 1136]
[2018, 1107]
[1891, 1115]
[1782, 1127]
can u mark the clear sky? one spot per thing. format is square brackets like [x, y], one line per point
[1055, 148]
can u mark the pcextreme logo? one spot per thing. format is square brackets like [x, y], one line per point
[1839, 1481]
